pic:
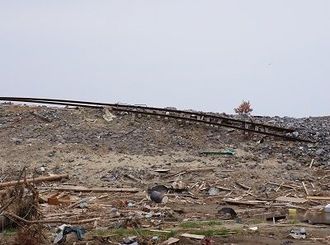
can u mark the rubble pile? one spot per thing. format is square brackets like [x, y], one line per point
[124, 179]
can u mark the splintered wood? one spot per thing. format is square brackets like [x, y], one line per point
[35, 180]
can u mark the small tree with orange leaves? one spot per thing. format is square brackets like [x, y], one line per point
[244, 108]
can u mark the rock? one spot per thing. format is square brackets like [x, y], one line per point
[319, 152]
[130, 205]
[83, 205]
[295, 134]
[51, 154]
[227, 213]
[17, 141]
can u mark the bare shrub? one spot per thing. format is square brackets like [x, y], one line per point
[244, 108]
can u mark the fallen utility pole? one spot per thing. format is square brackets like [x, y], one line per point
[35, 180]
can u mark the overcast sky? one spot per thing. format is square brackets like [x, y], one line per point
[205, 55]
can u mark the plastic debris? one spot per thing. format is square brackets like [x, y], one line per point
[213, 191]
[228, 152]
[158, 194]
[108, 116]
[132, 240]
[171, 240]
[253, 228]
[299, 233]
[327, 208]
[158, 197]
[64, 230]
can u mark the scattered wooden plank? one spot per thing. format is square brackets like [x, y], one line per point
[171, 240]
[245, 187]
[50, 221]
[327, 176]
[94, 189]
[132, 178]
[322, 198]
[161, 231]
[200, 169]
[279, 187]
[108, 116]
[193, 236]
[103, 196]
[192, 170]
[290, 199]
[305, 188]
[244, 202]
[35, 180]
[283, 185]
[298, 225]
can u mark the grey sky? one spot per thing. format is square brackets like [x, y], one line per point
[206, 55]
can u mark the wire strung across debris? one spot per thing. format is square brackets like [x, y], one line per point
[197, 117]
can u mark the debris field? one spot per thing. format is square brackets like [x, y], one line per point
[72, 175]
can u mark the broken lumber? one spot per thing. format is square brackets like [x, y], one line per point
[244, 202]
[171, 240]
[50, 221]
[35, 180]
[245, 187]
[42, 117]
[222, 188]
[161, 231]
[94, 189]
[324, 198]
[193, 170]
[305, 188]
[283, 185]
[193, 236]
[290, 199]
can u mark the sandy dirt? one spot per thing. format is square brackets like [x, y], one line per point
[142, 152]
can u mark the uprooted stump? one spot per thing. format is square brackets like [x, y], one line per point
[20, 200]
[31, 235]
[18, 205]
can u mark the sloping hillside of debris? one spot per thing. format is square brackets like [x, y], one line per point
[118, 178]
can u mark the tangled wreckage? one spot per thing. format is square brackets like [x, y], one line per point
[98, 173]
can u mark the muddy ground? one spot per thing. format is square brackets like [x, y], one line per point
[141, 152]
